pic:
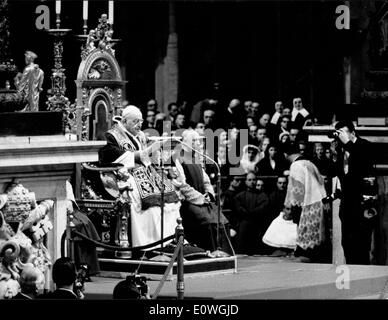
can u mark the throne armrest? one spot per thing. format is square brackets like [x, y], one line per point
[102, 179]
[109, 167]
[96, 204]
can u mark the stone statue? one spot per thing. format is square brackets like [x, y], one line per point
[103, 26]
[30, 83]
[105, 32]
[100, 37]
[23, 225]
[108, 40]
[90, 41]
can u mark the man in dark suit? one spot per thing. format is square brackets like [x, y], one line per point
[64, 276]
[199, 108]
[233, 115]
[353, 165]
[277, 197]
[251, 210]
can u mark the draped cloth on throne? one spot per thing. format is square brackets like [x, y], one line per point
[146, 183]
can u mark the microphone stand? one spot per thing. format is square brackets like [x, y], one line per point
[218, 253]
[161, 256]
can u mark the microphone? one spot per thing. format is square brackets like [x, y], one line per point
[203, 155]
[164, 138]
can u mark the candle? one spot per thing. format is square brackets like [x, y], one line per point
[85, 10]
[110, 17]
[57, 7]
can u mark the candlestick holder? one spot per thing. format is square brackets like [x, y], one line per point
[85, 27]
[58, 21]
[58, 101]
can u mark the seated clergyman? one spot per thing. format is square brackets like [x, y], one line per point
[199, 211]
[126, 144]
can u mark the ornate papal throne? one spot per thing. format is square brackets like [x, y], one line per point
[99, 88]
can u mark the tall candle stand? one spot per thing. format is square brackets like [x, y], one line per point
[58, 101]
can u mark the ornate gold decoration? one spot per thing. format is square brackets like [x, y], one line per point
[10, 99]
[110, 182]
[18, 207]
[111, 95]
[84, 118]
[102, 35]
[19, 204]
[70, 118]
[94, 56]
[98, 74]
[58, 101]
[85, 95]
[101, 69]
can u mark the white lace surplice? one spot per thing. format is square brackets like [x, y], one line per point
[306, 189]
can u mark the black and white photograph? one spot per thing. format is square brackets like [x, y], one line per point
[199, 150]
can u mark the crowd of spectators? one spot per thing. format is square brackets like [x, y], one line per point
[248, 145]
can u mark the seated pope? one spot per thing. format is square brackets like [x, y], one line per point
[127, 145]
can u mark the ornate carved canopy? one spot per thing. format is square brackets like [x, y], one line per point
[99, 84]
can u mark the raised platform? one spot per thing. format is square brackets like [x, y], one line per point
[156, 269]
[268, 278]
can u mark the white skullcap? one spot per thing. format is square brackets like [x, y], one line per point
[131, 111]
[190, 134]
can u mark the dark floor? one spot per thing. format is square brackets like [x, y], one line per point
[267, 278]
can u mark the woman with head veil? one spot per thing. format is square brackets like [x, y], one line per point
[250, 158]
